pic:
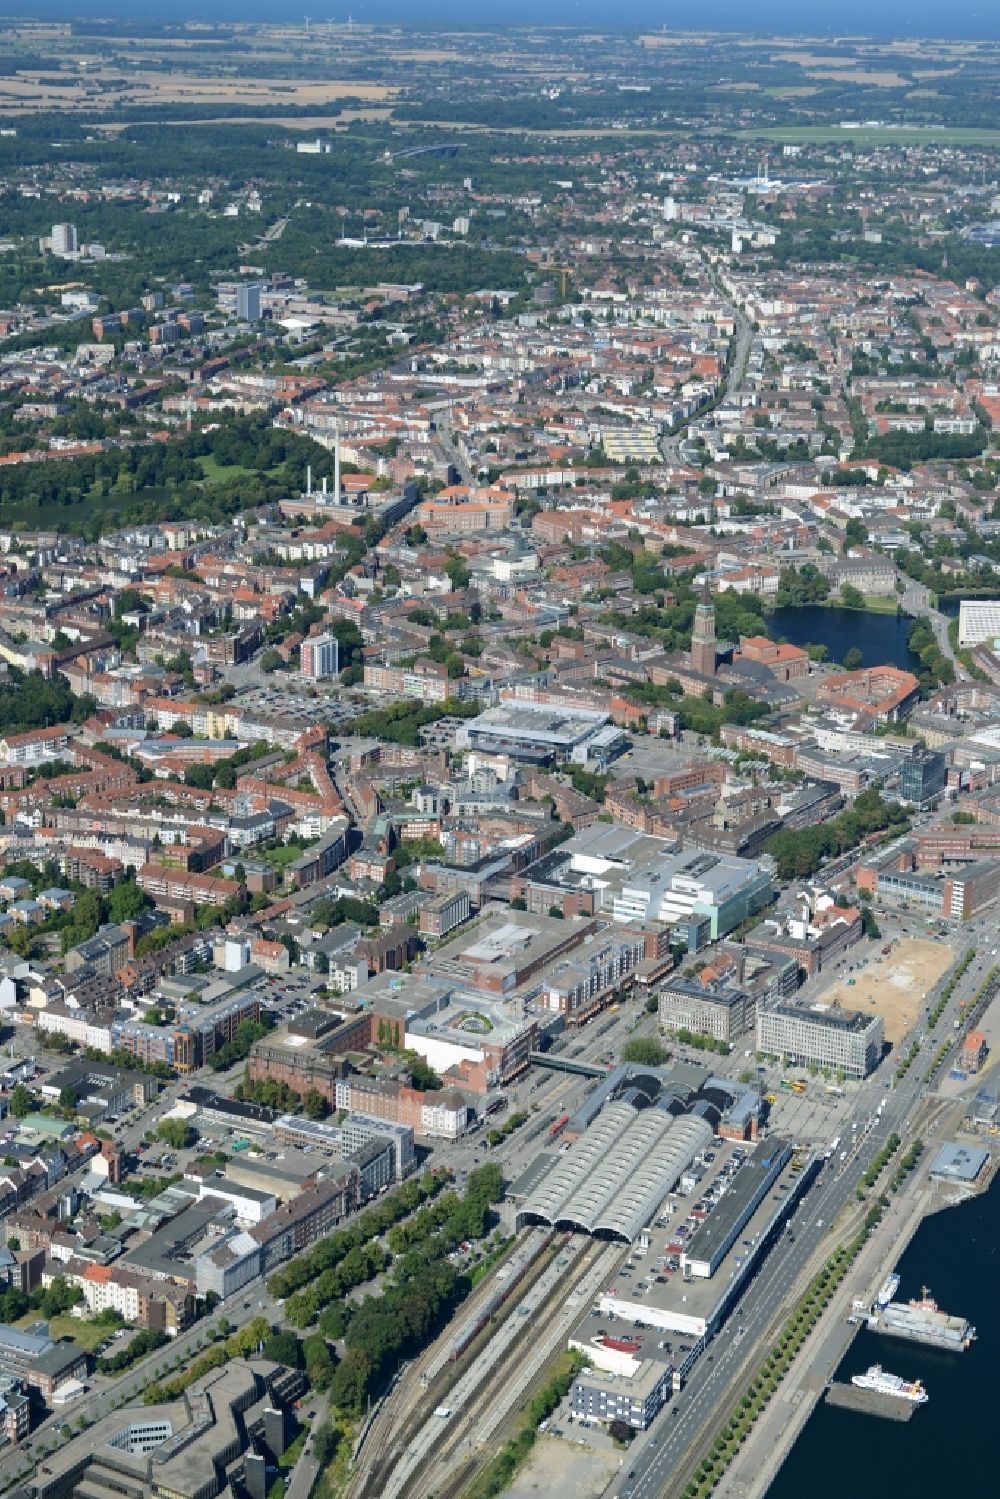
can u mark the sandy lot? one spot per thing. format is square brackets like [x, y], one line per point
[559, 1469]
[895, 986]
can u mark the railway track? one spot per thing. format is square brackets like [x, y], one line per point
[451, 1457]
[406, 1410]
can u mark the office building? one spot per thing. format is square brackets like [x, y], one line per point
[691, 888]
[724, 1011]
[64, 240]
[320, 657]
[633, 1397]
[923, 777]
[978, 621]
[844, 1040]
[248, 302]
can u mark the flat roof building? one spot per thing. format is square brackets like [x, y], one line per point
[674, 888]
[845, 1040]
[541, 732]
[956, 1162]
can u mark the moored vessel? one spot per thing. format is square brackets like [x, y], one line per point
[881, 1382]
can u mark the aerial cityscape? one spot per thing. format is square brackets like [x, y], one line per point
[499, 757]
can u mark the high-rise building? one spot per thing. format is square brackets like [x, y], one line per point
[703, 637]
[923, 776]
[248, 302]
[320, 656]
[64, 240]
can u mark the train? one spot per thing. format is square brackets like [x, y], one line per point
[558, 1125]
[509, 1275]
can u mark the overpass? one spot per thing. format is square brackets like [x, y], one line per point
[564, 1064]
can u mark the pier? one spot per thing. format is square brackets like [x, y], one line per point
[869, 1402]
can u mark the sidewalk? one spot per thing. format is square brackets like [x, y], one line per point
[757, 1465]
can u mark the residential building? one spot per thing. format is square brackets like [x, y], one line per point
[319, 657]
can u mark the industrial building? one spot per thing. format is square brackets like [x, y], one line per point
[846, 1041]
[956, 1162]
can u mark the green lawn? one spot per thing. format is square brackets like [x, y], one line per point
[217, 473]
[85, 1334]
[280, 857]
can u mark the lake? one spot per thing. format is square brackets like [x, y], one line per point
[948, 1444]
[881, 638]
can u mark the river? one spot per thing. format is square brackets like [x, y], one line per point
[881, 638]
[948, 1444]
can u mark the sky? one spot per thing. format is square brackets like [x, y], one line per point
[968, 19]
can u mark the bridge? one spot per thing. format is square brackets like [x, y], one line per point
[565, 1064]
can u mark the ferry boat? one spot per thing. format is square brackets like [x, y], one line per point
[880, 1382]
[888, 1290]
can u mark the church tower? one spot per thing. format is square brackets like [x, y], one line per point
[703, 637]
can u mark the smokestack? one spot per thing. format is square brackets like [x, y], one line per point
[336, 465]
[309, 478]
[324, 486]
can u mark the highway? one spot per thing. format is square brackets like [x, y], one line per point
[657, 1462]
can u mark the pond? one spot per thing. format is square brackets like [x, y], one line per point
[881, 638]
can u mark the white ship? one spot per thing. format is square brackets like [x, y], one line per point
[888, 1290]
[880, 1383]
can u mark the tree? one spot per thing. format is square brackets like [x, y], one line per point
[67, 1100]
[851, 597]
[645, 1050]
[349, 1383]
[284, 1348]
[422, 1075]
[21, 1101]
[325, 1444]
[199, 776]
[621, 1432]
[457, 571]
[127, 901]
[855, 533]
[271, 659]
[177, 1133]
[320, 1364]
[853, 659]
[315, 1105]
